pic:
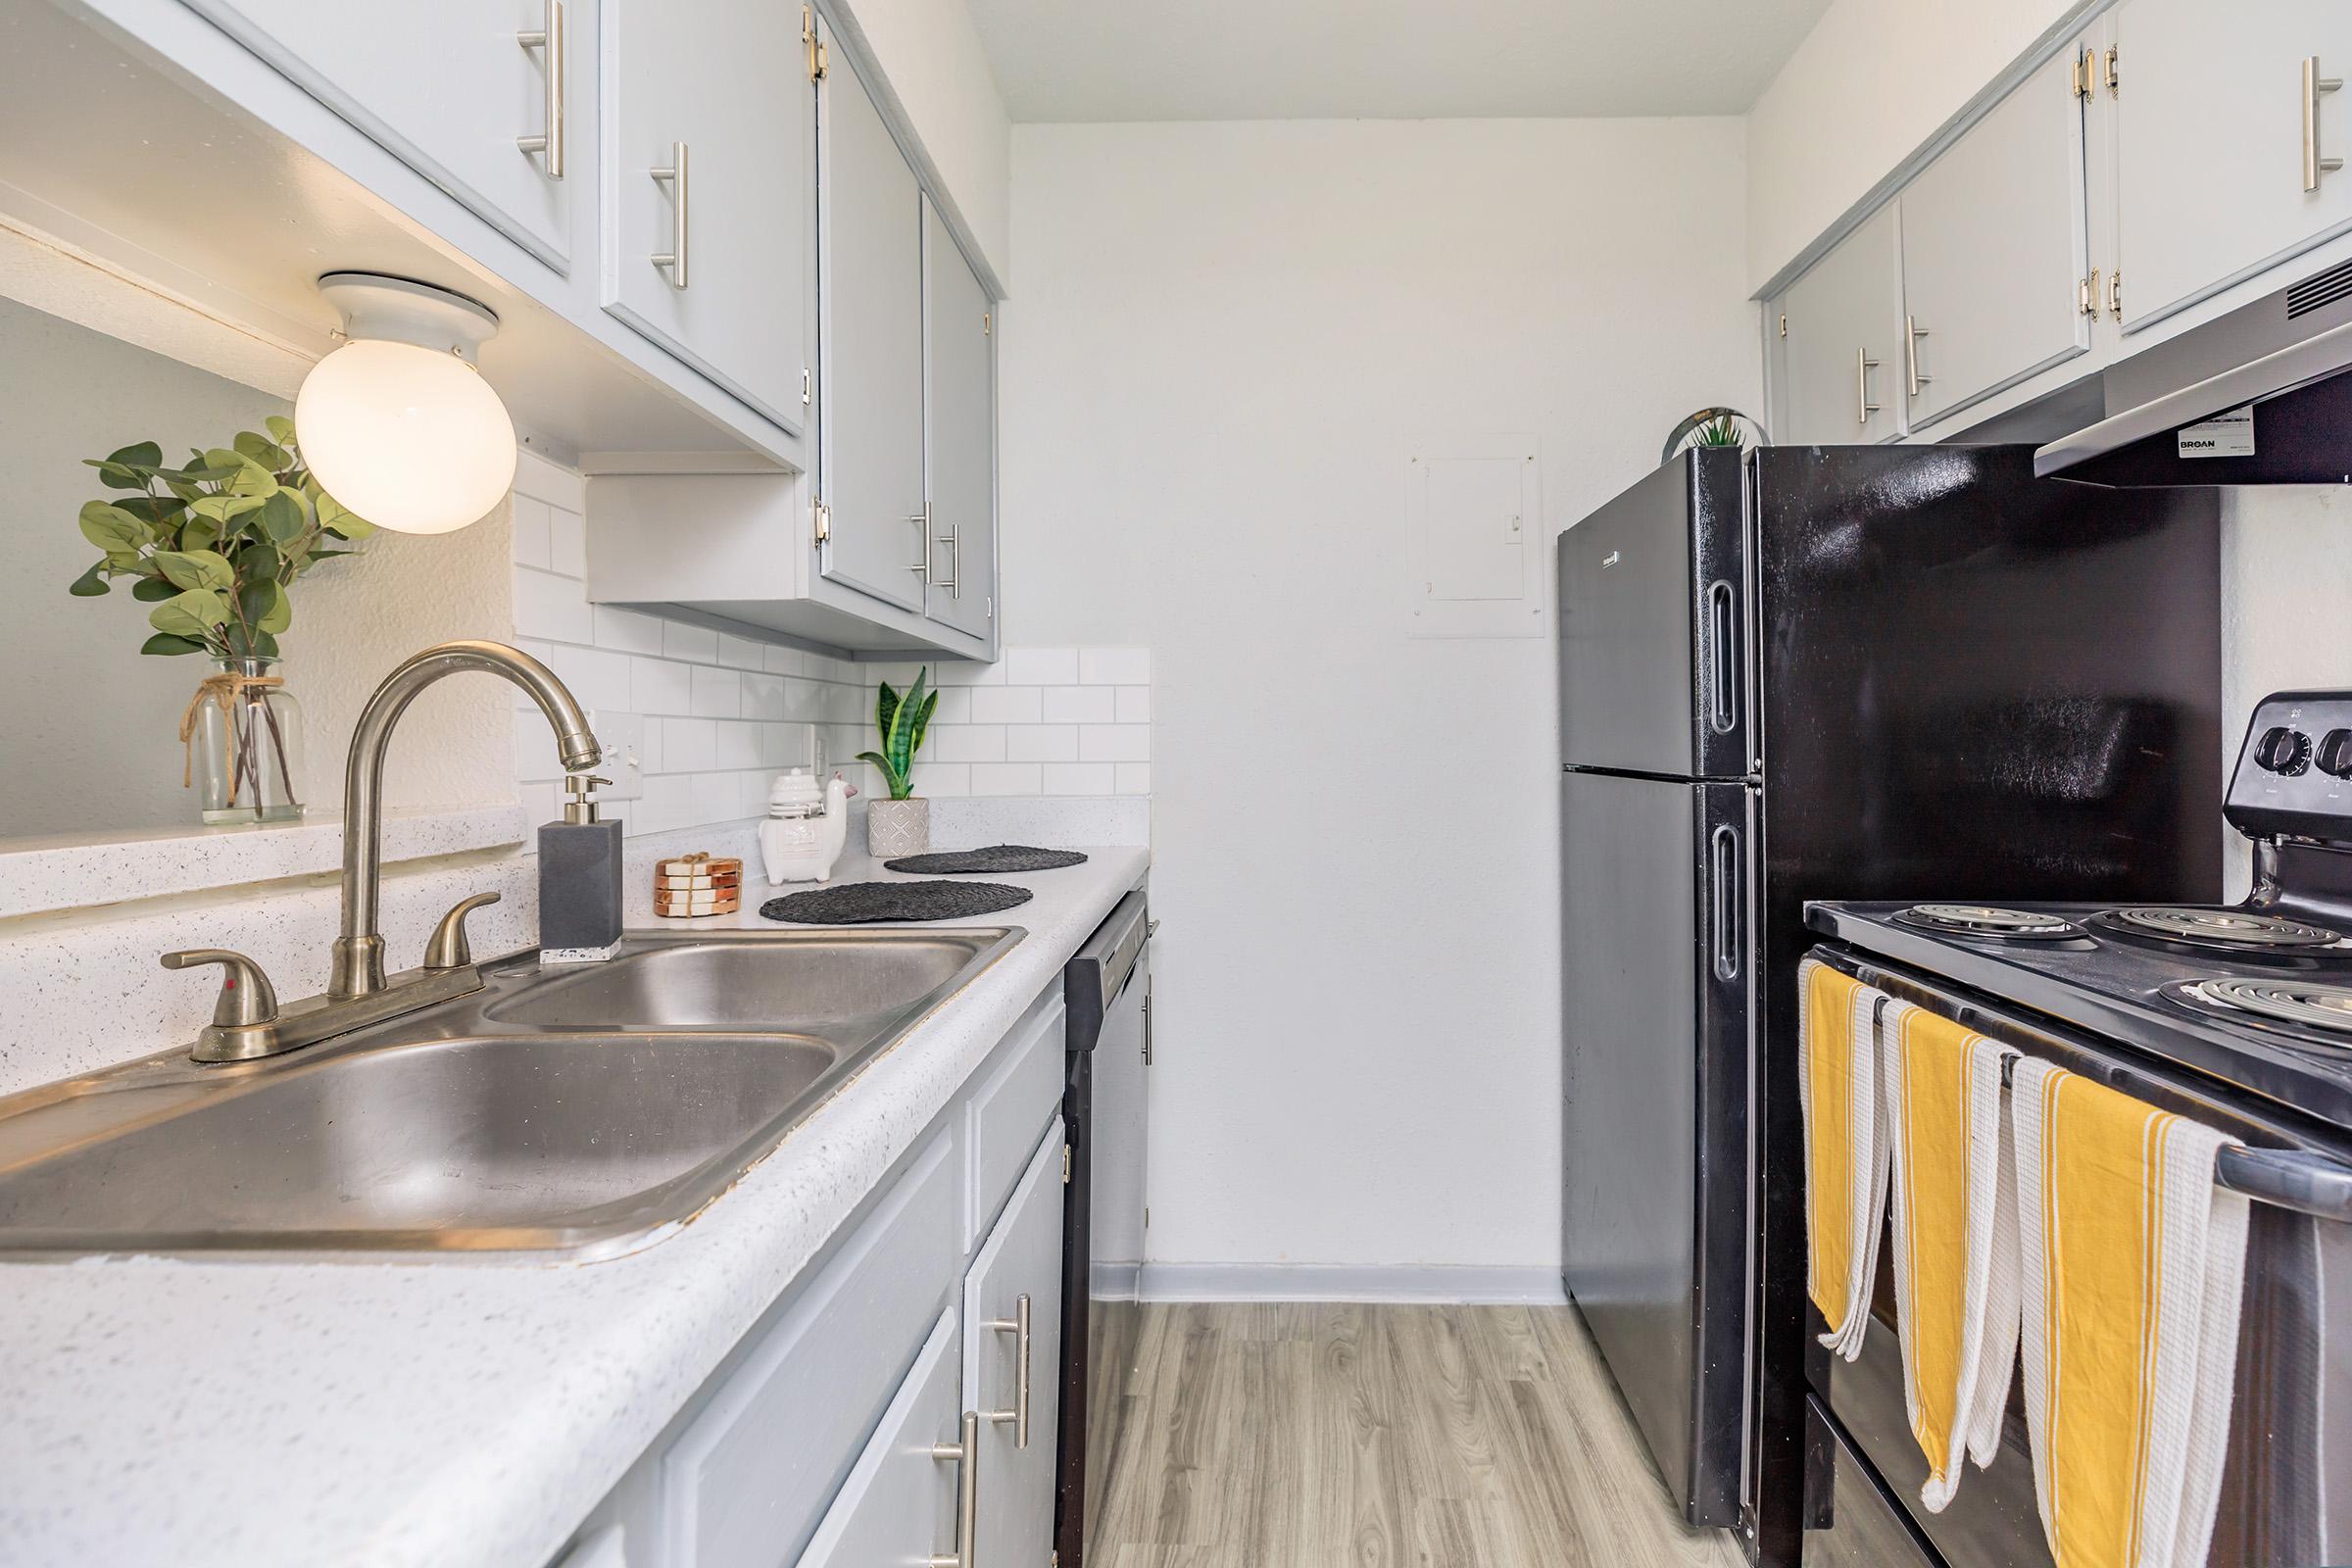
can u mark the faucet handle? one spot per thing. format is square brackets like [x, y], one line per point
[449, 949]
[246, 996]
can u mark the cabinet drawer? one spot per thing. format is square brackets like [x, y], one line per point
[1849, 1523]
[1020, 1093]
[899, 1504]
[1013, 1364]
[745, 1484]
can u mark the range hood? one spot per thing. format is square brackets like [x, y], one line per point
[2253, 397]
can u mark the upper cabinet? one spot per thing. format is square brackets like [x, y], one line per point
[959, 435]
[476, 95]
[1994, 246]
[1839, 339]
[708, 180]
[2230, 132]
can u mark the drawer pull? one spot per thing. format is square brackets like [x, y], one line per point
[966, 1456]
[673, 260]
[549, 38]
[1019, 1415]
[2313, 84]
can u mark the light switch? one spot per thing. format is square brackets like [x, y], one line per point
[621, 738]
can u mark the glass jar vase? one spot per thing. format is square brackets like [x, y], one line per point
[243, 731]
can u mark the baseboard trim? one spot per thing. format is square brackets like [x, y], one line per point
[1477, 1284]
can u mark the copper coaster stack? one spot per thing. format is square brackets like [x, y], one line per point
[697, 884]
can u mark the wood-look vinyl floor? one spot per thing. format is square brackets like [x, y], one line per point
[1303, 1434]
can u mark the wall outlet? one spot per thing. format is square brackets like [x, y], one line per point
[623, 738]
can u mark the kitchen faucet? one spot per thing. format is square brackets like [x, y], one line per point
[248, 1023]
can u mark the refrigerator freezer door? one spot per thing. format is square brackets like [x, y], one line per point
[1658, 977]
[1653, 617]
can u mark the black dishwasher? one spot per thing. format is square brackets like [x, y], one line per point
[1107, 989]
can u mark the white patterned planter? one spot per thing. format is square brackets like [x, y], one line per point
[898, 827]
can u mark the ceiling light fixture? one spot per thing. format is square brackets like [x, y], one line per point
[397, 423]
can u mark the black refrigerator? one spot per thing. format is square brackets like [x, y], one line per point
[1826, 672]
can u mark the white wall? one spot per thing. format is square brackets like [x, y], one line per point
[1227, 339]
[1870, 83]
[931, 55]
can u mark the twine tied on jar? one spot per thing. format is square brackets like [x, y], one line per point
[227, 688]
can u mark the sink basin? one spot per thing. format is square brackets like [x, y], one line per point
[582, 1110]
[820, 980]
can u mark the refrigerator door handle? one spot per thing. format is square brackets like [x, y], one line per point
[1723, 669]
[1722, 899]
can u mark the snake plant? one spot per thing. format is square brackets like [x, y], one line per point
[902, 721]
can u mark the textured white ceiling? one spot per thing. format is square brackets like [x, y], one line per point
[1088, 60]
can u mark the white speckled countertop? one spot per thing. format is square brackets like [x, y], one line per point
[441, 1415]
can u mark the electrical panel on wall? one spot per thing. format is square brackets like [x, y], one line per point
[1474, 506]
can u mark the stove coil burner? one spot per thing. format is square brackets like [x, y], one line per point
[2222, 928]
[2308, 1003]
[1985, 920]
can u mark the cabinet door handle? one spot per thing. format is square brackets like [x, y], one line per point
[2313, 84]
[1722, 631]
[1019, 1415]
[966, 1456]
[1722, 894]
[953, 540]
[1912, 333]
[922, 534]
[681, 224]
[550, 39]
[1863, 366]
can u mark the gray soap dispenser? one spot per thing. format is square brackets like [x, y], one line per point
[579, 880]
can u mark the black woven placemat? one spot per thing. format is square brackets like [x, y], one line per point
[996, 857]
[860, 903]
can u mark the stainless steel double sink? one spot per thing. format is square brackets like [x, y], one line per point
[581, 1109]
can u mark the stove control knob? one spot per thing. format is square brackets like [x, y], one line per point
[2336, 753]
[2284, 751]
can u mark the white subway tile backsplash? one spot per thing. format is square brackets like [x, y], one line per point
[955, 705]
[1134, 705]
[551, 607]
[1042, 743]
[942, 778]
[627, 631]
[689, 744]
[657, 686]
[1041, 666]
[1008, 779]
[535, 756]
[737, 744]
[966, 743]
[597, 677]
[1132, 778]
[741, 651]
[762, 695]
[717, 693]
[1116, 742]
[1078, 778]
[530, 531]
[1115, 667]
[963, 673]
[566, 542]
[697, 643]
[1080, 704]
[1007, 705]
[782, 660]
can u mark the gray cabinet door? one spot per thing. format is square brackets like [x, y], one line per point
[898, 1503]
[1020, 1263]
[1994, 245]
[959, 427]
[447, 88]
[870, 225]
[2211, 146]
[722, 80]
[1845, 352]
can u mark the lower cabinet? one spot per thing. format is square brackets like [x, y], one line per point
[899, 1404]
[1012, 1363]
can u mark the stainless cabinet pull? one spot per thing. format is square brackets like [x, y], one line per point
[1722, 892]
[1863, 366]
[549, 38]
[680, 225]
[923, 533]
[1912, 333]
[953, 540]
[1019, 1415]
[966, 1458]
[2313, 84]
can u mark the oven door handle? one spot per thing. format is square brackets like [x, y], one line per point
[2288, 1178]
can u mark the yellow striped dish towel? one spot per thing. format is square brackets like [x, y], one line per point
[2134, 1264]
[1845, 1152]
[1956, 1274]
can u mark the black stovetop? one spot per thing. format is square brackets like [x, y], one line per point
[2131, 991]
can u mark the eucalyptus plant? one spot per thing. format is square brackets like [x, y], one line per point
[215, 545]
[902, 721]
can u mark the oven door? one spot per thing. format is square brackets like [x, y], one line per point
[2287, 1496]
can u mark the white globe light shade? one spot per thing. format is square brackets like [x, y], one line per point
[411, 438]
